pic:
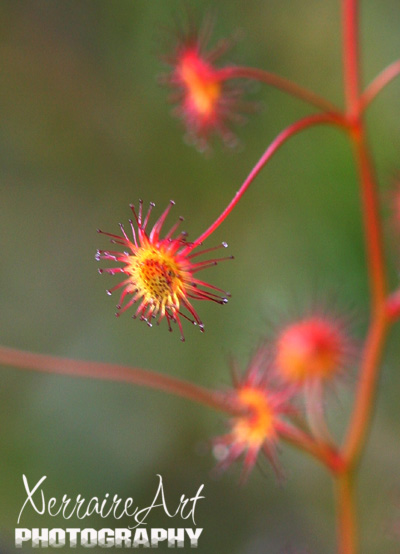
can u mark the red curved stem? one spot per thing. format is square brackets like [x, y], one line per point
[276, 81]
[325, 453]
[379, 83]
[379, 325]
[372, 223]
[114, 372]
[309, 121]
[119, 373]
[360, 419]
[366, 390]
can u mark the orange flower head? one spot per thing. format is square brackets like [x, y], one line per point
[160, 272]
[259, 423]
[205, 100]
[313, 349]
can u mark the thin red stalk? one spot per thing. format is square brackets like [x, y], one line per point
[369, 370]
[372, 222]
[374, 344]
[379, 83]
[350, 55]
[114, 372]
[346, 519]
[327, 454]
[367, 389]
[309, 121]
[370, 365]
[119, 373]
[276, 81]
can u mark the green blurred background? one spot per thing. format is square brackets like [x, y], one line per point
[85, 130]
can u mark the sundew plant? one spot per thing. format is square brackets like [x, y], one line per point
[271, 306]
